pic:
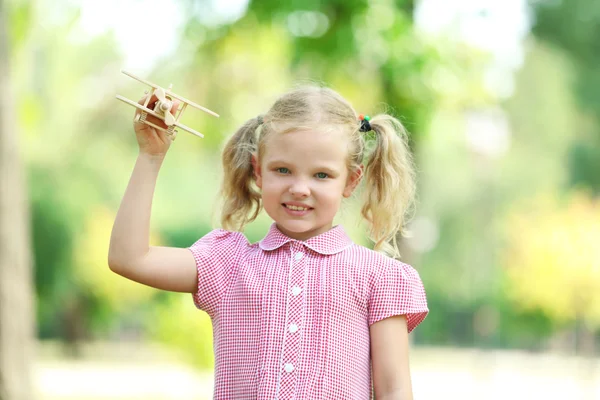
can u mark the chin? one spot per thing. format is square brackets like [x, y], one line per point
[301, 229]
[296, 226]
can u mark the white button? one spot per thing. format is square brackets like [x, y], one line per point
[293, 328]
[289, 367]
[298, 256]
[296, 290]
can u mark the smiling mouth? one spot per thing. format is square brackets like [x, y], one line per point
[296, 208]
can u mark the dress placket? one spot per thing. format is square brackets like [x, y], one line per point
[293, 327]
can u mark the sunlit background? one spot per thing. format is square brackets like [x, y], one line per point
[502, 99]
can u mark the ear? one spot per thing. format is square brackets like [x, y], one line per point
[354, 179]
[257, 171]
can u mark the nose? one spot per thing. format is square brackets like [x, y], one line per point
[299, 189]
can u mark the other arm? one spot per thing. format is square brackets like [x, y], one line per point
[389, 357]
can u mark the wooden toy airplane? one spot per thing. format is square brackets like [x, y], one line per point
[162, 109]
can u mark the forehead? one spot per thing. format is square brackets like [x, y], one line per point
[312, 145]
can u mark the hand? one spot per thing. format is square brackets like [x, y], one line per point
[153, 141]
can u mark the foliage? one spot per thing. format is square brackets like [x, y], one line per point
[552, 258]
[177, 323]
[573, 27]
[466, 197]
[367, 50]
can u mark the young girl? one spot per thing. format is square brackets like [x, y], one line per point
[304, 313]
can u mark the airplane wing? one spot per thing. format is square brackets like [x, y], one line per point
[191, 103]
[140, 79]
[188, 129]
[171, 94]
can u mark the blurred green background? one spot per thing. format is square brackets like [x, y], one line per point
[502, 99]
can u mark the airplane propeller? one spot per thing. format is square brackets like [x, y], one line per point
[164, 105]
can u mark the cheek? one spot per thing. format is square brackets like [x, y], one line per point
[272, 186]
[333, 194]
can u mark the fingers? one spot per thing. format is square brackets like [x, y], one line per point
[175, 106]
[153, 99]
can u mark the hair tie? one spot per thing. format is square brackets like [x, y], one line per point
[365, 125]
[259, 119]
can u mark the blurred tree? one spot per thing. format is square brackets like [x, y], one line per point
[370, 44]
[545, 121]
[552, 262]
[66, 166]
[574, 27]
[178, 324]
[16, 292]
[465, 194]
[368, 50]
[101, 294]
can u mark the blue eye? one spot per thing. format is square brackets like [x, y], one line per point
[322, 175]
[283, 170]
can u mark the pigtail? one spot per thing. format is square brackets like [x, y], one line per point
[390, 183]
[241, 198]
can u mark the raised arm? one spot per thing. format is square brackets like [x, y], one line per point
[130, 254]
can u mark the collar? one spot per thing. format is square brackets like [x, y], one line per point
[331, 242]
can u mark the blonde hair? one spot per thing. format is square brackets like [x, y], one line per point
[388, 173]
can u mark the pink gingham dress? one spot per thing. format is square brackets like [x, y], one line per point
[291, 318]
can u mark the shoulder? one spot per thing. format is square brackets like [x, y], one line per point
[222, 236]
[377, 264]
[221, 242]
[361, 255]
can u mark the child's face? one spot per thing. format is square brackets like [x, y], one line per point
[303, 176]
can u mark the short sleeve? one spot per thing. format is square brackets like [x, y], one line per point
[398, 290]
[217, 256]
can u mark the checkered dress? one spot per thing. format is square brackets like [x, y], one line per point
[291, 318]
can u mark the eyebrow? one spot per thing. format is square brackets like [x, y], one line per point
[323, 168]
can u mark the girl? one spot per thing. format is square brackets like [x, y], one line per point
[304, 313]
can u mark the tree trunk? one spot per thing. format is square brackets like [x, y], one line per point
[16, 294]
